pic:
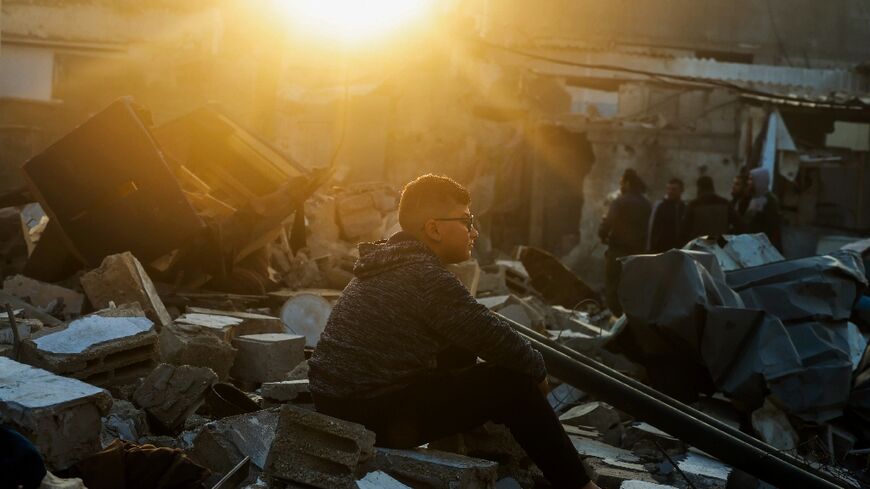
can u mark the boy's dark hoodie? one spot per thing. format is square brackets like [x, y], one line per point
[400, 311]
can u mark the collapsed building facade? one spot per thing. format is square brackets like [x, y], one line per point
[170, 258]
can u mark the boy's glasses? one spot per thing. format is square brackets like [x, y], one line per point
[467, 220]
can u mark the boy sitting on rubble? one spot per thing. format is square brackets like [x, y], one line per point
[399, 351]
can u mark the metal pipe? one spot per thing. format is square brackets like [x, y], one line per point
[675, 417]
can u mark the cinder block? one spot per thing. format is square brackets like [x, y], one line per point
[58, 300]
[61, 416]
[220, 445]
[109, 347]
[437, 470]
[121, 279]
[318, 450]
[170, 394]
[267, 357]
[182, 344]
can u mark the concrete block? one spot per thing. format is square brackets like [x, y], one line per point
[598, 415]
[121, 279]
[170, 394]
[318, 450]
[54, 299]
[267, 357]
[468, 272]
[437, 470]
[612, 474]
[380, 480]
[283, 391]
[299, 372]
[61, 416]
[222, 327]
[188, 345]
[113, 346]
[220, 445]
[26, 328]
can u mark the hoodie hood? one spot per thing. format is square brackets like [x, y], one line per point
[400, 250]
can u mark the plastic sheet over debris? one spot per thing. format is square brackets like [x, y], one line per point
[780, 328]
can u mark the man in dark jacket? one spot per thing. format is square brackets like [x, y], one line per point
[666, 219]
[624, 231]
[708, 213]
[381, 362]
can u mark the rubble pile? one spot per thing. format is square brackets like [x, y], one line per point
[164, 310]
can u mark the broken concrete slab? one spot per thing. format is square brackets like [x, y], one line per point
[107, 347]
[421, 467]
[645, 440]
[592, 448]
[704, 472]
[188, 345]
[611, 474]
[318, 450]
[563, 396]
[635, 484]
[358, 217]
[53, 299]
[170, 394]
[734, 252]
[598, 415]
[220, 445]
[251, 323]
[266, 357]
[380, 480]
[299, 372]
[121, 279]
[283, 391]
[61, 416]
[220, 326]
[124, 422]
[772, 426]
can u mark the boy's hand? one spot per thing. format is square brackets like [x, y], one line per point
[544, 387]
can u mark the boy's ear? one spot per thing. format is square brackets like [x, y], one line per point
[430, 230]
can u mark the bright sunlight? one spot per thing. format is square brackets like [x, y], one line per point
[353, 20]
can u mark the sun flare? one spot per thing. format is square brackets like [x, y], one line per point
[353, 20]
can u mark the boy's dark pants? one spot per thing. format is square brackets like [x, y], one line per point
[453, 401]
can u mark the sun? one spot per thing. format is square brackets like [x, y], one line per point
[353, 21]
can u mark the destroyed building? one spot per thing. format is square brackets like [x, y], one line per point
[183, 187]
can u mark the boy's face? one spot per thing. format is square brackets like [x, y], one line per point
[451, 236]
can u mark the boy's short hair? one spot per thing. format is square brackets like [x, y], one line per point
[427, 197]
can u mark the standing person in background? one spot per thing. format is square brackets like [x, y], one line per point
[708, 213]
[762, 212]
[741, 193]
[624, 231]
[666, 220]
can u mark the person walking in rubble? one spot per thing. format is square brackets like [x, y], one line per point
[624, 231]
[399, 351]
[667, 217]
[708, 214]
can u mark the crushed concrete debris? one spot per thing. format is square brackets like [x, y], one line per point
[124, 422]
[704, 472]
[609, 474]
[187, 345]
[440, 470]
[380, 480]
[61, 416]
[283, 391]
[773, 427]
[599, 416]
[56, 300]
[220, 445]
[171, 394]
